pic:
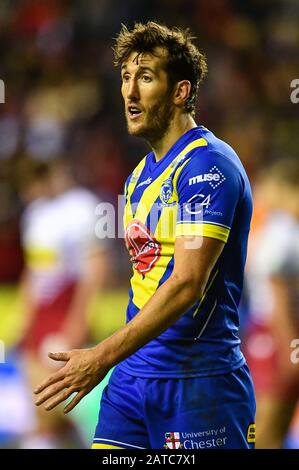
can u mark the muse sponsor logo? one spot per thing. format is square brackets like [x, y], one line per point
[215, 177]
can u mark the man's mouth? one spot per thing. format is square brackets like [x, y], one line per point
[134, 112]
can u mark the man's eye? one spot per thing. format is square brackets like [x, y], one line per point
[125, 78]
[146, 78]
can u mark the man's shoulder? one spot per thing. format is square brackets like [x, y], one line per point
[216, 160]
[216, 150]
[216, 170]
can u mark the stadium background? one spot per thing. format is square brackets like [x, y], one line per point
[62, 100]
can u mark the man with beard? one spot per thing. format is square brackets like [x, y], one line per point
[181, 380]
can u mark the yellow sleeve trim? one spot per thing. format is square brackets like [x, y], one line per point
[105, 446]
[203, 230]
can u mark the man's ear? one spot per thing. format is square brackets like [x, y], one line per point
[182, 92]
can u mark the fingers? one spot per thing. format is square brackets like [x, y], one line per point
[50, 381]
[75, 401]
[51, 392]
[59, 398]
[59, 356]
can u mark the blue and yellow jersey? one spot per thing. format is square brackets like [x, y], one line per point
[198, 188]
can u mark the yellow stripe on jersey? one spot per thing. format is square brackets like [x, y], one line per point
[143, 289]
[177, 174]
[151, 193]
[205, 293]
[203, 230]
[165, 229]
[130, 188]
[105, 446]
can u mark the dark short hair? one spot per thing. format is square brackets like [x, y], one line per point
[184, 60]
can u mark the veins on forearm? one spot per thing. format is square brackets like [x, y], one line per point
[168, 303]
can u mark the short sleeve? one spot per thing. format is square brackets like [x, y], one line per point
[209, 188]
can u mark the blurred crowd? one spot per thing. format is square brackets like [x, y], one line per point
[62, 102]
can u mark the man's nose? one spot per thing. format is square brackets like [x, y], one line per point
[133, 91]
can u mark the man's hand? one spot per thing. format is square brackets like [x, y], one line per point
[81, 373]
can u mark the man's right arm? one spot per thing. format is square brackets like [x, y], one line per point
[86, 368]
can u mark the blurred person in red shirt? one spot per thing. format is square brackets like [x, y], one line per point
[273, 274]
[65, 266]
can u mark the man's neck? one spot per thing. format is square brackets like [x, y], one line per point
[179, 126]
